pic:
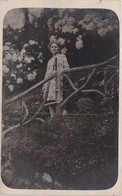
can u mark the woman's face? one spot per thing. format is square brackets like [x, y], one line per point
[54, 49]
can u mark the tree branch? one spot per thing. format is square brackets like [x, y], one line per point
[70, 82]
[87, 67]
[112, 77]
[24, 123]
[26, 111]
[30, 89]
[83, 86]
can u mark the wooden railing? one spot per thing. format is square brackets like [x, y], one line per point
[59, 104]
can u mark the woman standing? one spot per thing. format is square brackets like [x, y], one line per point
[58, 62]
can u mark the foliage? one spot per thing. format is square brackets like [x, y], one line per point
[86, 36]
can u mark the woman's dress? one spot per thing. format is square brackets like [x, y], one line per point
[59, 63]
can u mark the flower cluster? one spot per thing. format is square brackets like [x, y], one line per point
[66, 25]
[79, 42]
[32, 76]
[19, 65]
[93, 22]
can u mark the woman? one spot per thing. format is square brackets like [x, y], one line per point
[57, 62]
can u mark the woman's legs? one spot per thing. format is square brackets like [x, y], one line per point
[52, 111]
[64, 112]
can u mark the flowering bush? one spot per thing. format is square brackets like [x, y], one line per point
[94, 22]
[18, 66]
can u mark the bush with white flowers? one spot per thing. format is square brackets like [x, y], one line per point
[19, 65]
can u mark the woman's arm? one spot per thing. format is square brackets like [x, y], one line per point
[65, 63]
[46, 76]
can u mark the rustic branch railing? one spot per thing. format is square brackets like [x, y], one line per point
[85, 67]
[58, 103]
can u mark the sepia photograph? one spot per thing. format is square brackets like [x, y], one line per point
[60, 99]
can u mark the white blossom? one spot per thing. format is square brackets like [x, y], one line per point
[32, 58]
[90, 26]
[8, 43]
[110, 28]
[96, 20]
[46, 178]
[93, 15]
[63, 21]
[52, 38]
[19, 80]
[23, 51]
[79, 37]
[81, 22]
[61, 41]
[72, 11]
[79, 44]
[31, 76]
[14, 57]
[70, 29]
[64, 50]
[106, 20]
[8, 57]
[20, 58]
[11, 51]
[100, 24]
[67, 28]
[25, 45]
[102, 32]
[7, 81]
[5, 69]
[61, 12]
[56, 26]
[11, 87]
[32, 42]
[70, 21]
[13, 75]
[75, 30]
[87, 18]
[40, 60]
[6, 48]
[35, 72]
[40, 55]
[84, 26]
[19, 66]
[27, 60]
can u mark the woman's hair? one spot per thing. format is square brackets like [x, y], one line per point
[52, 42]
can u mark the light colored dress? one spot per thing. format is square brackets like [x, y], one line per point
[62, 64]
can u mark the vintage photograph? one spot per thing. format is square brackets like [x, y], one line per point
[60, 99]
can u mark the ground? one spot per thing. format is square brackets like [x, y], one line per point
[77, 151]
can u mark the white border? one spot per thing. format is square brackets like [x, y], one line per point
[5, 6]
